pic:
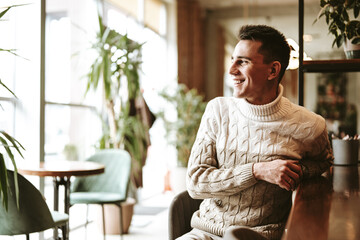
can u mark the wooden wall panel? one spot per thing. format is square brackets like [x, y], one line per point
[191, 44]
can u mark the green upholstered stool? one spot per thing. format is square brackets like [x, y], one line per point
[110, 187]
[33, 214]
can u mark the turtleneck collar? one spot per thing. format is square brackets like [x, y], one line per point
[268, 112]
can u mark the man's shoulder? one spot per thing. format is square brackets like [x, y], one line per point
[305, 114]
[308, 120]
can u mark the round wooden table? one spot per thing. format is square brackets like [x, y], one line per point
[61, 168]
[61, 171]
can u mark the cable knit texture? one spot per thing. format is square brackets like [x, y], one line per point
[233, 135]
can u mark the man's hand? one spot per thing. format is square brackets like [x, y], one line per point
[285, 173]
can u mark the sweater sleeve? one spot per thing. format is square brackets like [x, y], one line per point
[320, 158]
[205, 178]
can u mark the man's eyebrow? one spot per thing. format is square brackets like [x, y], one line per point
[241, 57]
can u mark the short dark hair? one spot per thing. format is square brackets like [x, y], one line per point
[274, 46]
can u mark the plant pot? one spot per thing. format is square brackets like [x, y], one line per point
[178, 179]
[346, 152]
[112, 225]
[352, 51]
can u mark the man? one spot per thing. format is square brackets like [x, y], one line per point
[252, 149]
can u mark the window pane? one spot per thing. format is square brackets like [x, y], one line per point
[70, 29]
[75, 128]
[58, 79]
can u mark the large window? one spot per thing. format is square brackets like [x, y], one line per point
[71, 120]
[70, 27]
[71, 124]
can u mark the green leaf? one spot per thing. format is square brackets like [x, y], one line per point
[96, 74]
[350, 3]
[356, 11]
[345, 15]
[16, 144]
[7, 148]
[2, 13]
[322, 3]
[3, 182]
[1, 83]
[340, 40]
[356, 40]
[16, 186]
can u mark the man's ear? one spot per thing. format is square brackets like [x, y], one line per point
[274, 70]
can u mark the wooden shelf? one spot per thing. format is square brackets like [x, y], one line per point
[346, 65]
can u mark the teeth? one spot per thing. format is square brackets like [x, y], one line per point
[238, 81]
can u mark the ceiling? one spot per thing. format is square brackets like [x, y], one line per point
[231, 14]
[216, 4]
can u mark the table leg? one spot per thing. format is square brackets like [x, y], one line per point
[66, 182]
[56, 202]
[67, 195]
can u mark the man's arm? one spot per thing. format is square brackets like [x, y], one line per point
[205, 178]
[285, 173]
[319, 159]
[288, 173]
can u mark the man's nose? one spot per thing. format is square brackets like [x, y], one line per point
[233, 69]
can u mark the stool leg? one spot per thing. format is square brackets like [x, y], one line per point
[87, 220]
[64, 232]
[121, 225]
[103, 218]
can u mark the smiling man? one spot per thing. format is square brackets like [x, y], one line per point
[254, 148]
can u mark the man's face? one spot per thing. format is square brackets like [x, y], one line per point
[249, 73]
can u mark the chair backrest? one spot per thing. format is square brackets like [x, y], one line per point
[181, 210]
[33, 214]
[116, 177]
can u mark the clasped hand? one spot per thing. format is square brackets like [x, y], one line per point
[285, 173]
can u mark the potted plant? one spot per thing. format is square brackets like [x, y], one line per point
[341, 17]
[116, 67]
[181, 133]
[7, 143]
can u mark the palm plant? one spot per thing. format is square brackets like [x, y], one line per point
[116, 67]
[7, 143]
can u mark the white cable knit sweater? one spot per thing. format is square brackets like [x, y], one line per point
[232, 136]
